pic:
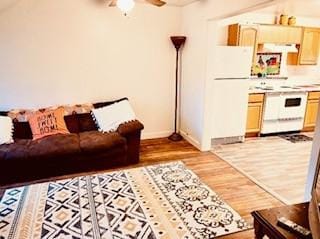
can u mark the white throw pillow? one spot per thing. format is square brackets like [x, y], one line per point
[6, 128]
[110, 117]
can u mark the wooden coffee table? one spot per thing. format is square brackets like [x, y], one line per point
[265, 221]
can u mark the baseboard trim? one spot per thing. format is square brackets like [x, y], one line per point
[155, 135]
[191, 140]
[164, 134]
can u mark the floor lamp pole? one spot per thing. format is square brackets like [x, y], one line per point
[176, 98]
[177, 41]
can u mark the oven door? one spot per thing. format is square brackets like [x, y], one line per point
[272, 106]
[293, 105]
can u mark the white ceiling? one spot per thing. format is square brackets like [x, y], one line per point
[179, 2]
[307, 8]
[303, 8]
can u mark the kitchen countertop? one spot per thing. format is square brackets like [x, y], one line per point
[280, 89]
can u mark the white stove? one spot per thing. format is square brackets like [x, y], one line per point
[283, 111]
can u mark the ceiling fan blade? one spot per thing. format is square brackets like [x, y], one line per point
[158, 3]
[113, 3]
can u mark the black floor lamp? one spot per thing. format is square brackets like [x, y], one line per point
[177, 41]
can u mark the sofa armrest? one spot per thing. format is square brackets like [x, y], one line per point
[132, 132]
[130, 127]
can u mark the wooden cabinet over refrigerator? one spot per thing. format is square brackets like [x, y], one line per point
[244, 35]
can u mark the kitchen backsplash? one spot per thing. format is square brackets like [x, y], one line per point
[296, 75]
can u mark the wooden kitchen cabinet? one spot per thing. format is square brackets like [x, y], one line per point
[311, 111]
[279, 34]
[307, 40]
[309, 49]
[254, 118]
[254, 115]
[243, 35]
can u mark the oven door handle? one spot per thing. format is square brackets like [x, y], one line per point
[291, 118]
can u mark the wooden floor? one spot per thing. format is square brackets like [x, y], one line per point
[237, 190]
[268, 161]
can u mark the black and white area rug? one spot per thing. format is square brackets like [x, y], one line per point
[161, 201]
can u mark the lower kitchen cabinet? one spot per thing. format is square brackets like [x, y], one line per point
[254, 116]
[311, 111]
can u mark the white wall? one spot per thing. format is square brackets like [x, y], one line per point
[193, 73]
[196, 25]
[75, 51]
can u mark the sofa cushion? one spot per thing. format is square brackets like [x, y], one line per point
[55, 146]
[72, 123]
[16, 151]
[94, 141]
[3, 151]
[21, 130]
[86, 122]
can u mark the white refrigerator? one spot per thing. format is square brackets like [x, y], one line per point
[231, 71]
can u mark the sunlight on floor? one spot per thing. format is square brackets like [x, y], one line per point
[276, 164]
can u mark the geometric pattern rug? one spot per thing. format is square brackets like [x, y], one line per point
[164, 201]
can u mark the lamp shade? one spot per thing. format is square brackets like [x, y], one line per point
[178, 41]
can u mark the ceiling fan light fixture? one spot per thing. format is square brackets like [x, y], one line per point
[125, 5]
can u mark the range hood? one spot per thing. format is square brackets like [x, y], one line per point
[267, 47]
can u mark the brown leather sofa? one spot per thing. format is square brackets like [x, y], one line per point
[85, 149]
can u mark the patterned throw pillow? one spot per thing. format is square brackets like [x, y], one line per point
[6, 127]
[23, 115]
[47, 123]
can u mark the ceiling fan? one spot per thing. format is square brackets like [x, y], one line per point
[126, 5]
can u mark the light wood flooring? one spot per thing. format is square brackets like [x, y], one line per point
[278, 165]
[237, 190]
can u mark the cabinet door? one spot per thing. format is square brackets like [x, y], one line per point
[311, 114]
[254, 117]
[248, 35]
[309, 50]
[278, 34]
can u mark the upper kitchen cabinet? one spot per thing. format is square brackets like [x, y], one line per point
[309, 49]
[279, 34]
[243, 35]
[308, 53]
[256, 35]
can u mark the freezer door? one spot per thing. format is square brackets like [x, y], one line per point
[229, 107]
[232, 62]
